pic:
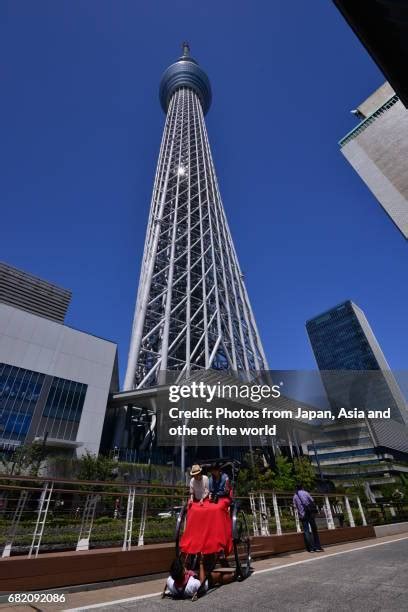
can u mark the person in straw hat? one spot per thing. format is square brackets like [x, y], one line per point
[199, 488]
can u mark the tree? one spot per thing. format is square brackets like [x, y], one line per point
[26, 460]
[251, 473]
[404, 485]
[283, 478]
[266, 480]
[304, 472]
[357, 487]
[93, 467]
[248, 478]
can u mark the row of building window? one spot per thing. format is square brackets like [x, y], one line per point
[347, 442]
[20, 392]
[345, 454]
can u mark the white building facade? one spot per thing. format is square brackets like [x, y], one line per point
[54, 383]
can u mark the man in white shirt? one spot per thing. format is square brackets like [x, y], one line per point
[199, 485]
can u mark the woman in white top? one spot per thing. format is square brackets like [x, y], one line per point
[199, 485]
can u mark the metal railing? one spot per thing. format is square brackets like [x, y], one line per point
[368, 121]
[59, 515]
[38, 516]
[274, 513]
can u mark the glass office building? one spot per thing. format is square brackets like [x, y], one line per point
[339, 341]
[356, 374]
[352, 363]
[33, 405]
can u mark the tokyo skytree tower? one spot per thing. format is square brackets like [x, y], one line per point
[192, 310]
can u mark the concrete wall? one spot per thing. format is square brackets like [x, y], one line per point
[379, 155]
[377, 99]
[32, 342]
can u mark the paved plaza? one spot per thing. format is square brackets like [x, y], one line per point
[367, 575]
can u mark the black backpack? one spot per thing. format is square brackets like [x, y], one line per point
[310, 508]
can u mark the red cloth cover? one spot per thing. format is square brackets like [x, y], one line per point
[208, 528]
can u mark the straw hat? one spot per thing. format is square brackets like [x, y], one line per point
[196, 469]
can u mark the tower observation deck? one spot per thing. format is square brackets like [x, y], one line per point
[192, 310]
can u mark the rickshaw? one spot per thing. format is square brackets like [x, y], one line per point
[229, 558]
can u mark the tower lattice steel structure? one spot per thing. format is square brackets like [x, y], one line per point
[192, 308]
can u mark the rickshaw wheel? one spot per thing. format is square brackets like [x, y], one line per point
[190, 561]
[180, 526]
[242, 543]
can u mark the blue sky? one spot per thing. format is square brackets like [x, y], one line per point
[81, 128]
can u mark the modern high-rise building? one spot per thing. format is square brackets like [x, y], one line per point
[377, 148]
[356, 374]
[33, 294]
[192, 310]
[54, 380]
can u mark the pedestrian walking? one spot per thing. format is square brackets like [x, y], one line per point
[306, 507]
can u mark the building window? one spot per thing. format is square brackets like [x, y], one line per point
[63, 409]
[57, 413]
[19, 392]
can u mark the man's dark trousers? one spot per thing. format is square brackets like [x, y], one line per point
[312, 541]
